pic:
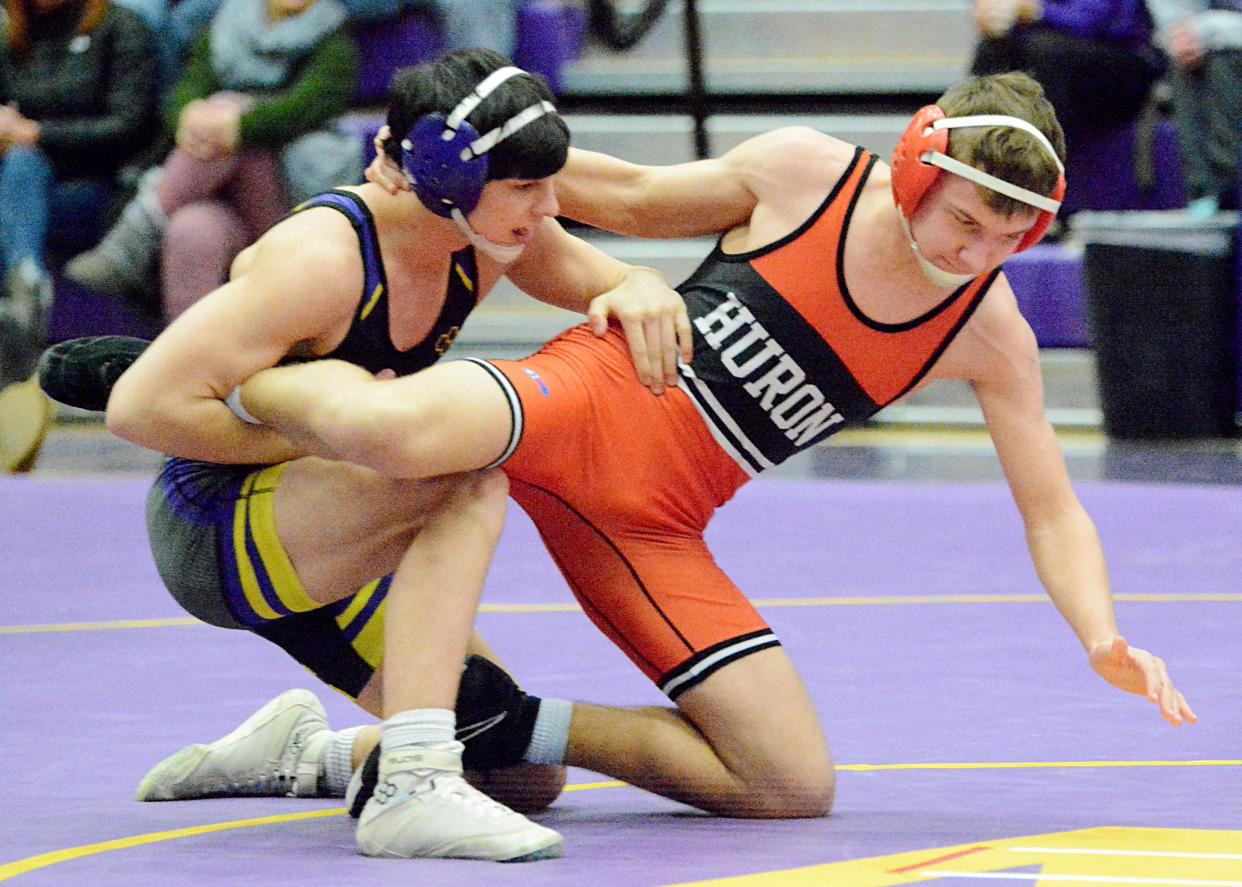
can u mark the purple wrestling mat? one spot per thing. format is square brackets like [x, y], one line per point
[975, 746]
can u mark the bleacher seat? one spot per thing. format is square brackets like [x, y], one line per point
[1102, 172]
[384, 47]
[549, 36]
[809, 47]
[78, 311]
[1047, 280]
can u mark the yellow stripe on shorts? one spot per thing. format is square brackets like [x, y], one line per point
[369, 641]
[262, 505]
[256, 512]
[245, 570]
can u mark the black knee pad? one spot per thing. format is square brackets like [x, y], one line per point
[495, 720]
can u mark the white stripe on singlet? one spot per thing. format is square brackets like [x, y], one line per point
[718, 421]
[700, 669]
[515, 410]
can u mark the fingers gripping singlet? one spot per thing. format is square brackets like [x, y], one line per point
[621, 483]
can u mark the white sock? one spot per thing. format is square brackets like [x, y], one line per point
[551, 732]
[337, 764]
[419, 726]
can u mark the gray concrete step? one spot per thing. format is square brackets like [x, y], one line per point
[669, 138]
[791, 46]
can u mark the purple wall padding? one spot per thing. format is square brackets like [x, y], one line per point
[1101, 175]
[78, 311]
[387, 46]
[1047, 280]
[549, 36]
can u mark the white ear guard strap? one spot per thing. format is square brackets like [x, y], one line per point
[966, 171]
[489, 140]
[504, 253]
[975, 121]
[948, 164]
[483, 90]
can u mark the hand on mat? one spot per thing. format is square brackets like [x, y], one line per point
[383, 171]
[656, 325]
[1136, 671]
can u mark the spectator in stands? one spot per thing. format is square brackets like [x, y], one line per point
[1093, 57]
[77, 99]
[486, 24]
[188, 20]
[156, 15]
[1203, 39]
[267, 76]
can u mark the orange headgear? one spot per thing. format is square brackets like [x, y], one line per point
[922, 154]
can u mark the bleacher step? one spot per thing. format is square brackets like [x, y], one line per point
[792, 47]
[669, 138]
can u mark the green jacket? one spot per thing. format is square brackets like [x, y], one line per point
[322, 87]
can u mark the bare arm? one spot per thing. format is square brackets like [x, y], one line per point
[681, 200]
[699, 198]
[295, 287]
[1062, 539]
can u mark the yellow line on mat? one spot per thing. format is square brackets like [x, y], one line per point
[11, 870]
[99, 626]
[895, 600]
[43, 860]
[1035, 765]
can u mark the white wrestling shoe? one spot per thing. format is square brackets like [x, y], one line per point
[272, 753]
[423, 808]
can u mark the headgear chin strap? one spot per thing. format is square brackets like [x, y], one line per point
[938, 276]
[446, 159]
[921, 157]
[501, 252]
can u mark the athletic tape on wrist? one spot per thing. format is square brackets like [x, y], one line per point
[233, 402]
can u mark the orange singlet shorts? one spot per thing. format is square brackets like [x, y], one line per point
[621, 484]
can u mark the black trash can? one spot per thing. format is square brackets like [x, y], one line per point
[1162, 304]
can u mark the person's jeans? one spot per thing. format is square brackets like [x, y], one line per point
[26, 181]
[32, 201]
[187, 21]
